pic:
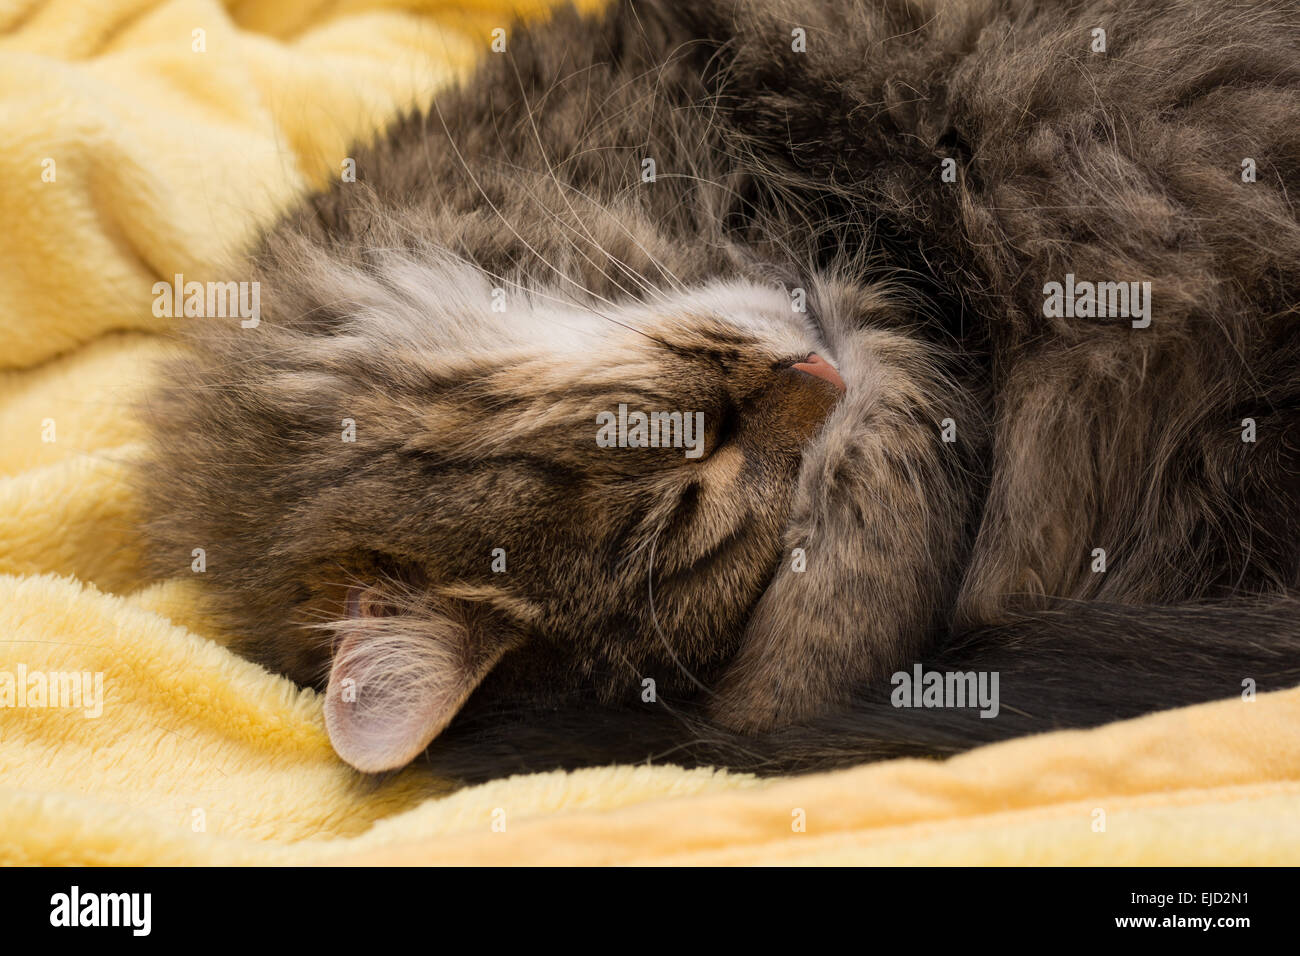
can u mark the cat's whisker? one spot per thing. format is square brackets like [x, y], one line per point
[562, 274]
[668, 274]
[559, 221]
[654, 619]
[550, 171]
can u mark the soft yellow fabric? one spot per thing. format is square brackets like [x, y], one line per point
[166, 160]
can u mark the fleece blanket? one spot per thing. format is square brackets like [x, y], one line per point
[145, 138]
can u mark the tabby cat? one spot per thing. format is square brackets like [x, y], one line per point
[857, 242]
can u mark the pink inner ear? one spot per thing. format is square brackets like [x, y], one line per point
[375, 721]
[396, 682]
[367, 602]
[354, 603]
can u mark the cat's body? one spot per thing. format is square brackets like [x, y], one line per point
[475, 553]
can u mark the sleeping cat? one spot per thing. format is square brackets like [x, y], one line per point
[988, 320]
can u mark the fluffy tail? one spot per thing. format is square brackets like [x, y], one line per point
[1072, 666]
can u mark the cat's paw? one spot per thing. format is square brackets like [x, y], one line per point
[760, 692]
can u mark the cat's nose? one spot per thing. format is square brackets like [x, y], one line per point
[818, 367]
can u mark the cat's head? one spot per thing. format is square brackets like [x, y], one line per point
[435, 484]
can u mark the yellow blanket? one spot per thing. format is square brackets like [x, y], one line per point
[144, 138]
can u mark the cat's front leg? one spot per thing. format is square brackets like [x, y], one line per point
[875, 538]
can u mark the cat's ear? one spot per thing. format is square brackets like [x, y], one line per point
[397, 679]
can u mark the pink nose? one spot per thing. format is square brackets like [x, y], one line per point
[818, 367]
